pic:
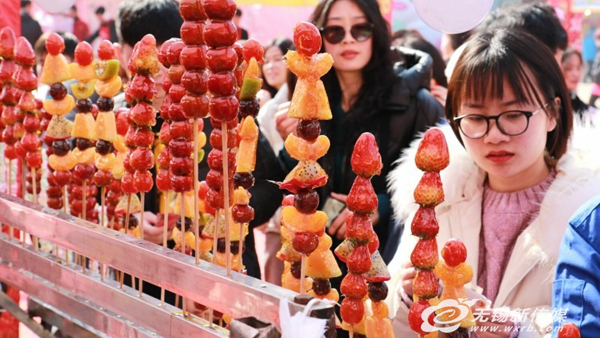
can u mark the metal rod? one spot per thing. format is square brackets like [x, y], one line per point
[14, 309]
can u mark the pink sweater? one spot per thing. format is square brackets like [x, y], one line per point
[505, 216]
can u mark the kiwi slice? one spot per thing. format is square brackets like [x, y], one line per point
[83, 90]
[106, 70]
[250, 87]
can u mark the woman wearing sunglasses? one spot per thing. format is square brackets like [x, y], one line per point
[373, 88]
[514, 179]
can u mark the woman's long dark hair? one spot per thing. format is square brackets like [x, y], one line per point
[284, 44]
[378, 74]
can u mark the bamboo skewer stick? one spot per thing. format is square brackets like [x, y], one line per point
[102, 206]
[164, 243]
[9, 180]
[302, 274]
[23, 191]
[141, 282]
[65, 203]
[34, 183]
[214, 259]
[126, 231]
[226, 195]
[182, 212]
[196, 211]
[83, 211]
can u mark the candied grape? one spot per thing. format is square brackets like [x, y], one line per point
[242, 213]
[378, 291]
[188, 224]
[58, 91]
[321, 287]
[296, 269]
[60, 147]
[84, 105]
[244, 180]
[221, 245]
[309, 129]
[306, 201]
[249, 107]
[104, 147]
[82, 143]
[105, 103]
[234, 247]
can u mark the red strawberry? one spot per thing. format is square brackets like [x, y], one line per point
[429, 192]
[24, 54]
[359, 260]
[144, 58]
[55, 44]
[362, 197]
[424, 224]
[425, 254]
[432, 154]
[569, 330]
[106, 51]
[359, 226]
[454, 252]
[354, 286]
[366, 160]
[7, 43]
[415, 316]
[425, 284]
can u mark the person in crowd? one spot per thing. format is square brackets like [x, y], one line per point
[80, 28]
[371, 88]
[274, 71]
[242, 33]
[30, 28]
[588, 52]
[107, 29]
[572, 67]
[577, 283]
[438, 81]
[451, 42]
[515, 178]
[596, 72]
[400, 36]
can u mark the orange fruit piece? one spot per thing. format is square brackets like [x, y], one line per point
[86, 157]
[106, 128]
[84, 126]
[56, 69]
[299, 222]
[62, 163]
[304, 150]
[109, 88]
[105, 162]
[322, 264]
[61, 107]
[82, 73]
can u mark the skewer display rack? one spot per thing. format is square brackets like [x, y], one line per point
[79, 298]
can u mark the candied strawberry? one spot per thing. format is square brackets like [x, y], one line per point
[454, 252]
[425, 284]
[373, 243]
[352, 310]
[354, 286]
[55, 44]
[429, 191]
[366, 160]
[24, 54]
[142, 88]
[359, 226]
[144, 58]
[141, 159]
[7, 43]
[415, 316]
[25, 78]
[359, 260]
[424, 223]
[432, 154]
[253, 49]
[307, 38]
[362, 197]
[569, 330]
[425, 254]
[106, 51]
[84, 54]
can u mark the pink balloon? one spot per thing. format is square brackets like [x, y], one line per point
[452, 16]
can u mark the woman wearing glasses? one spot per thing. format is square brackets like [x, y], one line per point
[373, 88]
[513, 182]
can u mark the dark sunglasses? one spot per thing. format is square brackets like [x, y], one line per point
[335, 34]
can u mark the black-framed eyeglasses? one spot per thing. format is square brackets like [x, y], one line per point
[511, 123]
[360, 32]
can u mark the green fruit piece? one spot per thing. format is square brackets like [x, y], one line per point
[83, 90]
[106, 70]
[250, 87]
[200, 155]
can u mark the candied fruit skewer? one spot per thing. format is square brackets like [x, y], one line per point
[220, 35]
[115, 192]
[431, 157]
[195, 102]
[140, 93]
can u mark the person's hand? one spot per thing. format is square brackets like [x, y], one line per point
[171, 220]
[338, 226]
[151, 232]
[407, 275]
[439, 93]
[283, 123]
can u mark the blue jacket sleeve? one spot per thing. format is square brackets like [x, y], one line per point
[576, 296]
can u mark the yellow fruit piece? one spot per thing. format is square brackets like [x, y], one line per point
[82, 73]
[221, 260]
[246, 156]
[313, 67]
[56, 69]
[188, 202]
[324, 242]
[105, 162]
[119, 169]
[136, 232]
[119, 144]
[62, 163]
[288, 234]
[83, 90]
[322, 264]
[289, 282]
[358, 328]
[84, 127]
[380, 309]
[109, 88]
[299, 222]
[248, 129]
[379, 328]
[333, 295]
[310, 102]
[252, 69]
[106, 128]
[241, 196]
[86, 157]
[61, 107]
[206, 244]
[59, 128]
[303, 150]
[134, 204]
